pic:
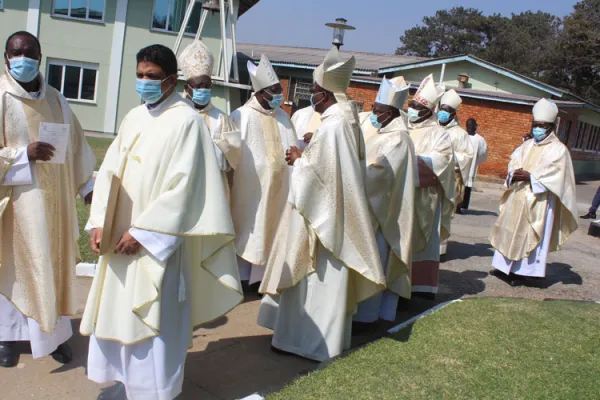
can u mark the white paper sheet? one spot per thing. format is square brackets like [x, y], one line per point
[58, 136]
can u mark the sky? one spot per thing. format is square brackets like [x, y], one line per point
[379, 23]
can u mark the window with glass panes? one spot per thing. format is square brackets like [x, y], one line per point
[167, 15]
[91, 10]
[75, 81]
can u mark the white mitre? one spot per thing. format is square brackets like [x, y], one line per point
[452, 99]
[428, 94]
[196, 60]
[263, 75]
[334, 73]
[545, 111]
[393, 92]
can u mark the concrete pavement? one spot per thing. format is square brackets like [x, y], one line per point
[231, 357]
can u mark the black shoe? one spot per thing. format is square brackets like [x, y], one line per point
[589, 216]
[63, 354]
[459, 211]
[9, 357]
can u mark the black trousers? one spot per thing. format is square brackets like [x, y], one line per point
[466, 199]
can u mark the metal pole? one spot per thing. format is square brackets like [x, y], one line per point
[234, 11]
[202, 22]
[442, 74]
[186, 19]
[224, 40]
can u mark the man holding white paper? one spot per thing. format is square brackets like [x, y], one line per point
[38, 216]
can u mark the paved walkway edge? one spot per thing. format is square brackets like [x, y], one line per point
[414, 319]
[87, 270]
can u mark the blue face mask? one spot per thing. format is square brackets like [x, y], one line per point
[413, 115]
[276, 100]
[149, 90]
[24, 69]
[444, 116]
[312, 100]
[539, 134]
[201, 96]
[375, 121]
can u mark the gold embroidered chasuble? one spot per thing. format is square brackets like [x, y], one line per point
[39, 228]
[520, 226]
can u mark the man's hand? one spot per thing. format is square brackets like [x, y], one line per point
[521, 175]
[307, 137]
[292, 154]
[88, 199]
[40, 151]
[426, 176]
[128, 246]
[95, 239]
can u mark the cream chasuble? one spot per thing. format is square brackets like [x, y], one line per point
[170, 184]
[324, 248]
[39, 220]
[391, 183]
[261, 180]
[463, 157]
[305, 120]
[521, 224]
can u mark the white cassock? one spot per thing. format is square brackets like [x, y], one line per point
[260, 183]
[324, 259]
[480, 150]
[536, 217]
[41, 284]
[306, 120]
[142, 309]
[391, 181]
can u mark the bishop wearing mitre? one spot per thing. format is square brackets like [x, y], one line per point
[38, 215]
[324, 260]
[461, 146]
[196, 62]
[170, 263]
[391, 180]
[538, 210]
[434, 197]
[261, 180]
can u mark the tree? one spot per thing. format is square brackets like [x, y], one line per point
[457, 31]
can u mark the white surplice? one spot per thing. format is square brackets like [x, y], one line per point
[480, 150]
[305, 120]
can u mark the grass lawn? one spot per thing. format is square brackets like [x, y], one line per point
[477, 349]
[99, 146]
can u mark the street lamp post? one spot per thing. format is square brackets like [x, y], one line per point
[340, 26]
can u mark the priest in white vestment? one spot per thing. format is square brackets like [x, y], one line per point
[461, 146]
[480, 156]
[538, 210]
[434, 198]
[324, 260]
[391, 182]
[171, 263]
[38, 215]
[261, 181]
[196, 62]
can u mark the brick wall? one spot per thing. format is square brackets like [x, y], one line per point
[363, 93]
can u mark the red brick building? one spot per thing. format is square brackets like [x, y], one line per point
[499, 99]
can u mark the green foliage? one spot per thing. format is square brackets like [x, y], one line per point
[540, 45]
[478, 349]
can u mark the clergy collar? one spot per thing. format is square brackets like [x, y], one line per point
[551, 138]
[452, 123]
[332, 110]
[17, 90]
[255, 105]
[165, 104]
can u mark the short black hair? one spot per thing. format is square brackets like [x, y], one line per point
[161, 56]
[25, 34]
[471, 122]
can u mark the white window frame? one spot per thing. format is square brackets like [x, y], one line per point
[81, 66]
[166, 30]
[87, 13]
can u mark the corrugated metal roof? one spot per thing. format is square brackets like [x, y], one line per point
[311, 57]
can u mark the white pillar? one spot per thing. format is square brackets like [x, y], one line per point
[114, 70]
[33, 17]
